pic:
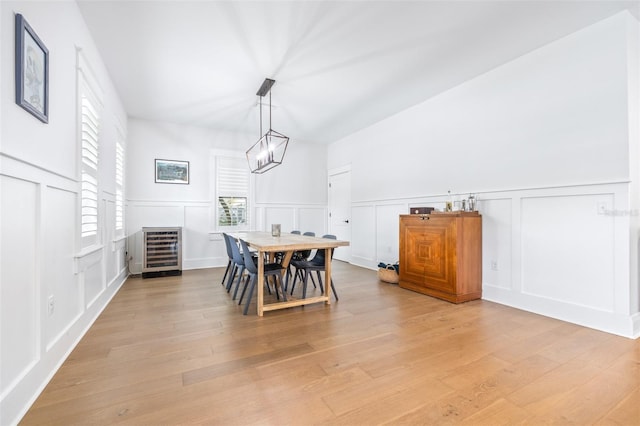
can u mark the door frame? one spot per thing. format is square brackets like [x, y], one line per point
[330, 173]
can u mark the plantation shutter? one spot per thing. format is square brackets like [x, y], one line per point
[90, 110]
[119, 214]
[90, 123]
[232, 183]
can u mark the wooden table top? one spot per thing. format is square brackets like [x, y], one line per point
[264, 241]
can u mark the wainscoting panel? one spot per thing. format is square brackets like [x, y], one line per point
[110, 259]
[388, 232]
[291, 217]
[92, 283]
[496, 242]
[143, 215]
[118, 251]
[198, 251]
[363, 236]
[19, 290]
[312, 219]
[59, 280]
[285, 216]
[568, 249]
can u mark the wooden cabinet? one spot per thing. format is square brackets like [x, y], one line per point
[441, 255]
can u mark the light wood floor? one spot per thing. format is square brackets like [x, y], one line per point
[177, 350]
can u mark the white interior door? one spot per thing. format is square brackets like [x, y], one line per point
[340, 211]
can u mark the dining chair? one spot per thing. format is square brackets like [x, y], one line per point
[315, 264]
[237, 263]
[270, 270]
[230, 264]
[299, 256]
[279, 255]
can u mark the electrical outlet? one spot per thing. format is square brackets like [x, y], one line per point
[51, 304]
[494, 265]
[602, 207]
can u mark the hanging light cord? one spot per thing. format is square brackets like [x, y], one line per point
[270, 110]
[260, 116]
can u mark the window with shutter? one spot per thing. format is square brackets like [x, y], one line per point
[232, 193]
[119, 186]
[90, 107]
[90, 132]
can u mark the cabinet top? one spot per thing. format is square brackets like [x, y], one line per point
[161, 228]
[447, 214]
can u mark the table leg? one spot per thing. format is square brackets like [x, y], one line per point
[285, 265]
[260, 301]
[327, 275]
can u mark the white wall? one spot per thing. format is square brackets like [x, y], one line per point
[40, 255]
[633, 62]
[545, 142]
[293, 194]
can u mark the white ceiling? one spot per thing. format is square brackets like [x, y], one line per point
[339, 66]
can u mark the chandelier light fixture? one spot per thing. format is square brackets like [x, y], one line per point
[269, 151]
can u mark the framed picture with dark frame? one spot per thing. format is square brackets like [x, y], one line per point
[32, 71]
[172, 171]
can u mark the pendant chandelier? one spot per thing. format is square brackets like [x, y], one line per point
[269, 151]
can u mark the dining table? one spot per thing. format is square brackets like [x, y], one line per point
[267, 245]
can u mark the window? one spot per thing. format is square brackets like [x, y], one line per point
[90, 107]
[232, 211]
[232, 193]
[119, 185]
[89, 179]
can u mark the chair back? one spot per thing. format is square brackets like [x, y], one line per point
[318, 259]
[235, 251]
[304, 254]
[295, 232]
[227, 243]
[248, 260]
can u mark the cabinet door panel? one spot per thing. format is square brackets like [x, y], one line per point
[428, 257]
[437, 253]
[411, 267]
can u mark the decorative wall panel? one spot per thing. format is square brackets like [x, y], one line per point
[567, 249]
[387, 231]
[496, 242]
[363, 244]
[282, 215]
[312, 219]
[58, 223]
[19, 345]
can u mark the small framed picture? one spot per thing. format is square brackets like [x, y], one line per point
[171, 171]
[31, 71]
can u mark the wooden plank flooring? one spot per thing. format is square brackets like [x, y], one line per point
[177, 350]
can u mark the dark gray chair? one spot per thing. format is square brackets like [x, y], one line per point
[237, 262]
[270, 270]
[230, 265]
[298, 256]
[316, 264]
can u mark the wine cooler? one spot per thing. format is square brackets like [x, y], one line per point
[162, 252]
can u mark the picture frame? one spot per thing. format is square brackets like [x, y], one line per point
[172, 171]
[31, 70]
